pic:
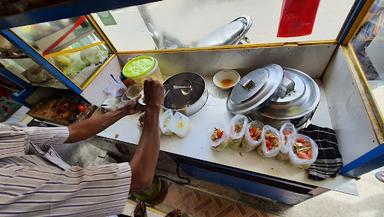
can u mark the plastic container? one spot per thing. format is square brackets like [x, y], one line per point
[179, 124]
[288, 135]
[263, 150]
[300, 162]
[138, 69]
[248, 143]
[164, 122]
[237, 131]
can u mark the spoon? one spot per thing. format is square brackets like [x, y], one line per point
[185, 89]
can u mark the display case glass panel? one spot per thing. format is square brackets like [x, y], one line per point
[173, 24]
[368, 48]
[24, 67]
[72, 45]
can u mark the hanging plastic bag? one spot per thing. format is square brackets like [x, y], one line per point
[303, 152]
[287, 134]
[270, 142]
[218, 137]
[252, 137]
[164, 121]
[237, 131]
[179, 124]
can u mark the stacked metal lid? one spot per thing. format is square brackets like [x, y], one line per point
[275, 93]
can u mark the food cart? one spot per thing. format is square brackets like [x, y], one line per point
[341, 53]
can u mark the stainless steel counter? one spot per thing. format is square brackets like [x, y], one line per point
[196, 144]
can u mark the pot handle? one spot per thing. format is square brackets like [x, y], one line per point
[247, 83]
[286, 86]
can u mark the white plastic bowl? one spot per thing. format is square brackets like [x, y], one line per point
[224, 74]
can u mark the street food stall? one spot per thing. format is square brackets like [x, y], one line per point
[235, 73]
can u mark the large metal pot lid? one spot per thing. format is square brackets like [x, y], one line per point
[255, 89]
[301, 100]
[178, 98]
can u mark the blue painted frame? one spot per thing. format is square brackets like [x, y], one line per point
[365, 163]
[273, 188]
[64, 10]
[246, 186]
[351, 18]
[374, 158]
[12, 77]
[27, 88]
[22, 96]
[18, 42]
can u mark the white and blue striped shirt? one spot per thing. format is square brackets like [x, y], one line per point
[32, 185]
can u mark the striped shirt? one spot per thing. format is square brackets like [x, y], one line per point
[32, 185]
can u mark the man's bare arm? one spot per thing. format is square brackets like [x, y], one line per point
[92, 126]
[143, 163]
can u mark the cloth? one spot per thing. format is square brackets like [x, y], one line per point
[329, 160]
[33, 186]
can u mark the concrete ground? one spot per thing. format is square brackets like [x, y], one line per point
[370, 202]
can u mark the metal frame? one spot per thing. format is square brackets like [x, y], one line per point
[65, 9]
[38, 58]
[374, 114]
[354, 20]
[374, 158]
[233, 47]
[369, 161]
[27, 88]
[354, 15]
[280, 190]
[99, 31]
[97, 72]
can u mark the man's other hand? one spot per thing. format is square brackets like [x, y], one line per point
[153, 93]
[132, 107]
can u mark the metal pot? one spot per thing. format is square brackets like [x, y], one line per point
[294, 99]
[185, 92]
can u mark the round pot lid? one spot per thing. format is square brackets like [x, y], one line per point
[178, 97]
[255, 89]
[299, 100]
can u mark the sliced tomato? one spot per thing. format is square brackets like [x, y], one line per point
[220, 134]
[81, 107]
[269, 144]
[301, 140]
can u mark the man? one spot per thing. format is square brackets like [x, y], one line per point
[33, 186]
[368, 31]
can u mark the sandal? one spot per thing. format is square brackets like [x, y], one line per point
[380, 176]
[174, 213]
[140, 210]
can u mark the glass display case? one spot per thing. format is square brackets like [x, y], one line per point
[368, 49]
[186, 24]
[243, 35]
[71, 45]
[24, 67]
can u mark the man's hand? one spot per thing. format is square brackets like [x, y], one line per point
[153, 93]
[132, 107]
